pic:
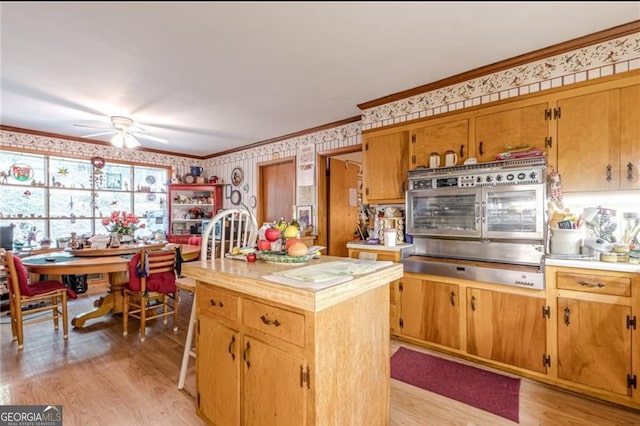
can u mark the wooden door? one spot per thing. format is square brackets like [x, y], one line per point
[630, 137]
[506, 328]
[385, 161]
[218, 372]
[342, 213]
[519, 127]
[273, 392]
[431, 311]
[439, 138]
[589, 141]
[277, 189]
[594, 344]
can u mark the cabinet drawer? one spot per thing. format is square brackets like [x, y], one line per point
[217, 302]
[379, 255]
[278, 322]
[602, 284]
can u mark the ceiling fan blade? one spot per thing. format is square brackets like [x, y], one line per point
[93, 135]
[151, 138]
[92, 127]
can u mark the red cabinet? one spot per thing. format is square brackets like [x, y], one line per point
[190, 206]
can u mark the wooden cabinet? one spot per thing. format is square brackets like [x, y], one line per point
[517, 125]
[385, 159]
[394, 286]
[596, 330]
[189, 206]
[430, 311]
[440, 136]
[243, 350]
[601, 128]
[508, 328]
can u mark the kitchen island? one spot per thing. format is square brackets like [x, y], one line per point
[274, 349]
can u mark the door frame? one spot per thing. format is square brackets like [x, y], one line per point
[321, 203]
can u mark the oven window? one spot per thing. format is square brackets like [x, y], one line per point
[513, 211]
[453, 213]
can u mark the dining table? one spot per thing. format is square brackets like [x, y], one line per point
[111, 261]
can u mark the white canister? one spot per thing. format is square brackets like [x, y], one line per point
[566, 241]
[390, 237]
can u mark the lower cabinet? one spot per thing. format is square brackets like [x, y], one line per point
[261, 362]
[430, 311]
[580, 333]
[597, 330]
[243, 376]
[508, 328]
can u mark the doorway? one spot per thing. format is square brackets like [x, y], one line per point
[277, 186]
[339, 174]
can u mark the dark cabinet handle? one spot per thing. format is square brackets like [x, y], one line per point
[473, 303]
[461, 151]
[233, 340]
[269, 322]
[452, 297]
[480, 148]
[245, 355]
[214, 303]
[630, 172]
[567, 313]
[609, 173]
[590, 285]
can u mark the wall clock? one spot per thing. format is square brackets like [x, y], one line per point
[189, 178]
[237, 176]
[97, 162]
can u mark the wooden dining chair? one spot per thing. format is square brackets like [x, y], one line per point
[228, 229]
[150, 292]
[37, 297]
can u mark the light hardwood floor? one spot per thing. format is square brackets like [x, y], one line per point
[103, 378]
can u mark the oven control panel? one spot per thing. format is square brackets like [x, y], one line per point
[532, 175]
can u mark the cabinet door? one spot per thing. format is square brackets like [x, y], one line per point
[218, 372]
[274, 390]
[594, 344]
[589, 141]
[507, 328]
[630, 137]
[440, 138]
[394, 306]
[517, 128]
[431, 311]
[385, 160]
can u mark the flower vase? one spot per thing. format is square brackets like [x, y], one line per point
[115, 240]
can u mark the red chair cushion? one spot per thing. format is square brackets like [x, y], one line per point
[194, 241]
[163, 282]
[40, 287]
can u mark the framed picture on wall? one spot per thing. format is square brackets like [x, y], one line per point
[305, 218]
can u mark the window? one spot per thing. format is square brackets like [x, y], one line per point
[49, 197]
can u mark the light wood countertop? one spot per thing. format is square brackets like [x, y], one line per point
[247, 278]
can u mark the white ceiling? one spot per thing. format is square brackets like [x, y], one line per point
[212, 76]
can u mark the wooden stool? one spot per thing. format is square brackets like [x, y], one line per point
[187, 284]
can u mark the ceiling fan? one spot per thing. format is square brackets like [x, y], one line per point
[125, 133]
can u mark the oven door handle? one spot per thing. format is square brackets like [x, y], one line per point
[477, 212]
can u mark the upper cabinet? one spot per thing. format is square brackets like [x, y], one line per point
[599, 139]
[440, 136]
[385, 162]
[516, 126]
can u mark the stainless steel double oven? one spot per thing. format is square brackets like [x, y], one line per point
[487, 212]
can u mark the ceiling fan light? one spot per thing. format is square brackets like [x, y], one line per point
[130, 141]
[118, 140]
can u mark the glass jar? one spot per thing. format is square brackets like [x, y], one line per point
[630, 228]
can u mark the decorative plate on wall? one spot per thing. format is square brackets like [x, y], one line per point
[237, 176]
[253, 202]
[235, 197]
